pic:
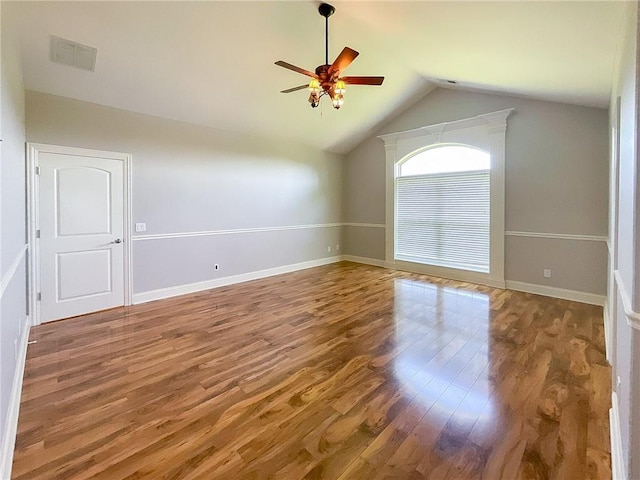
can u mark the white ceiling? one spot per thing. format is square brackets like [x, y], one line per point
[211, 63]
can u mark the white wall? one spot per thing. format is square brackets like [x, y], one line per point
[625, 252]
[192, 179]
[556, 183]
[12, 234]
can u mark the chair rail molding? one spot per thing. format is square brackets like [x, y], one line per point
[6, 279]
[237, 231]
[633, 317]
[558, 236]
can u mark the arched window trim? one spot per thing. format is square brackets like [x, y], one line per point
[486, 132]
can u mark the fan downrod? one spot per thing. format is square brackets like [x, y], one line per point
[326, 10]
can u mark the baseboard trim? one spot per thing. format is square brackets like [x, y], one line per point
[13, 408]
[606, 317]
[365, 260]
[618, 469]
[544, 290]
[169, 292]
[582, 297]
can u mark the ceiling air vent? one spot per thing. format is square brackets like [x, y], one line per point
[73, 54]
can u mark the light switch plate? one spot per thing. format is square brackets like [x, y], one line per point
[141, 227]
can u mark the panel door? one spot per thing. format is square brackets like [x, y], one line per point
[81, 221]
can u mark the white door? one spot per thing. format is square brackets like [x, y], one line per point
[81, 223]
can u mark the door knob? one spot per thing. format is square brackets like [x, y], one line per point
[117, 240]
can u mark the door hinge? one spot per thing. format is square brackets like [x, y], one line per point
[37, 170]
[37, 233]
[39, 296]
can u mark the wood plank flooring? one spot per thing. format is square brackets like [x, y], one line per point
[338, 372]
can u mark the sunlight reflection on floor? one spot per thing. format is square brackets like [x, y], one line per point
[457, 355]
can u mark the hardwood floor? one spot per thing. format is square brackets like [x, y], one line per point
[339, 372]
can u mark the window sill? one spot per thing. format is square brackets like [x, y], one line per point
[449, 273]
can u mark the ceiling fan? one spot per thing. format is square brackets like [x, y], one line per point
[327, 80]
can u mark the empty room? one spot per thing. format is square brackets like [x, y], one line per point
[300, 240]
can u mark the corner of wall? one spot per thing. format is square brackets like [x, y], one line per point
[13, 289]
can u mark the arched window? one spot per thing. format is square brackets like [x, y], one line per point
[443, 208]
[443, 159]
[445, 211]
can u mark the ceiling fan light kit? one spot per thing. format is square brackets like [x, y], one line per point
[327, 80]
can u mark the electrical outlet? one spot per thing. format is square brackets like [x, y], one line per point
[547, 273]
[216, 267]
[329, 248]
[141, 227]
[337, 247]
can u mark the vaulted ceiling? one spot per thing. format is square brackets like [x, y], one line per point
[212, 63]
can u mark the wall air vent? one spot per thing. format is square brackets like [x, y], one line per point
[73, 54]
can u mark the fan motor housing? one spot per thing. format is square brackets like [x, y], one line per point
[326, 79]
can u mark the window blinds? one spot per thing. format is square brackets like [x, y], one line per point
[443, 219]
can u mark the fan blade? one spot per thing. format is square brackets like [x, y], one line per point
[363, 80]
[280, 63]
[295, 89]
[347, 55]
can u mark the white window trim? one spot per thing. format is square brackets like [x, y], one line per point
[489, 130]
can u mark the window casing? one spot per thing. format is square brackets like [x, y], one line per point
[486, 133]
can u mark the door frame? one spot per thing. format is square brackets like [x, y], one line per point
[33, 221]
